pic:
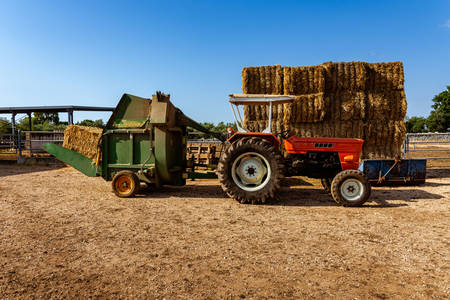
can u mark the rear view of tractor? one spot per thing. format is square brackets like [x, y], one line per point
[254, 164]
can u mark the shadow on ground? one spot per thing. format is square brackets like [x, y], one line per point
[295, 196]
[438, 173]
[12, 168]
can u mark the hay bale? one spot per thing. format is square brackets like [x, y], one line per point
[383, 139]
[329, 128]
[305, 108]
[82, 139]
[262, 80]
[344, 105]
[388, 105]
[308, 108]
[385, 76]
[261, 123]
[304, 80]
[345, 76]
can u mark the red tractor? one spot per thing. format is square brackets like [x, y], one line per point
[251, 168]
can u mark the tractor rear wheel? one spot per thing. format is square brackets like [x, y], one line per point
[125, 184]
[350, 188]
[250, 170]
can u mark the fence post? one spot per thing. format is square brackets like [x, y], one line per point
[404, 147]
[19, 144]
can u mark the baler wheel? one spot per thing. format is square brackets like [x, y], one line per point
[350, 188]
[250, 170]
[125, 184]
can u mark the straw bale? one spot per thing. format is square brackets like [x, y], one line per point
[346, 105]
[308, 108]
[385, 76]
[345, 76]
[251, 125]
[304, 80]
[262, 80]
[388, 105]
[383, 139]
[82, 139]
[248, 113]
[348, 129]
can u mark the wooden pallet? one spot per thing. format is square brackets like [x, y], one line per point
[204, 153]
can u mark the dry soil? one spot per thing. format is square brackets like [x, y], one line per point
[64, 235]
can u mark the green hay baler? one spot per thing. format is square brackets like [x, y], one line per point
[143, 141]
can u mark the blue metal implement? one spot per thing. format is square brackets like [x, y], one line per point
[395, 171]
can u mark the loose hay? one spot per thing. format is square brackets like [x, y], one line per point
[82, 139]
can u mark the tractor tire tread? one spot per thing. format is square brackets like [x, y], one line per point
[253, 144]
[336, 185]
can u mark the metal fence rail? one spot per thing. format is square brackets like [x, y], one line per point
[27, 143]
[9, 141]
[427, 142]
[35, 139]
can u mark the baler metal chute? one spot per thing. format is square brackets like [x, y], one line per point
[143, 141]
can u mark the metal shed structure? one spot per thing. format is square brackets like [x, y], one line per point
[69, 109]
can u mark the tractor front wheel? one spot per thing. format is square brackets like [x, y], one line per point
[350, 188]
[250, 170]
[125, 184]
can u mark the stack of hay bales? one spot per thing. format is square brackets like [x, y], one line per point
[386, 110]
[82, 139]
[262, 80]
[346, 99]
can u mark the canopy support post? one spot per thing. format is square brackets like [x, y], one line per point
[70, 117]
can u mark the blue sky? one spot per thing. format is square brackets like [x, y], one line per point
[91, 52]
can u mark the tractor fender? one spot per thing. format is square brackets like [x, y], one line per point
[267, 136]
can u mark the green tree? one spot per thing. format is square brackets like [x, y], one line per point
[416, 124]
[439, 118]
[5, 125]
[97, 123]
[47, 126]
[41, 117]
[23, 124]
[40, 125]
[221, 127]
[41, 122]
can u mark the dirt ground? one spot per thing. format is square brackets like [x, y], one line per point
[64, 235]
